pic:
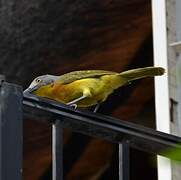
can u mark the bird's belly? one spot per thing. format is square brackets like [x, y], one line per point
[69, 92]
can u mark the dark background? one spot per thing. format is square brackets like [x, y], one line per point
[58, 36]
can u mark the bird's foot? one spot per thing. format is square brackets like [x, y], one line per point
[74, 106]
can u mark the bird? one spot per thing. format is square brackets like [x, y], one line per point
[86, 88]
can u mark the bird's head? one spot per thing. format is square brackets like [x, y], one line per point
[39, 82]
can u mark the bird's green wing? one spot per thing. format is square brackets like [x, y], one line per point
[77, 75]
[129, 75]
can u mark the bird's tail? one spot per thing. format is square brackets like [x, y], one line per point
[139, 73]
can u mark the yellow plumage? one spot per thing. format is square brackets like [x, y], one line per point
[89, 87]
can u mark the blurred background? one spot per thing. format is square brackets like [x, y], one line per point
[57, 36]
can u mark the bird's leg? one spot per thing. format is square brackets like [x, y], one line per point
[97, 107]
[86, 93]
[72, 103]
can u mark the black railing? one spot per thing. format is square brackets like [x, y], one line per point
[94, 124]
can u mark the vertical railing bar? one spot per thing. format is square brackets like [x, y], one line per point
[124, 161]
[11, 131]
[57, 151]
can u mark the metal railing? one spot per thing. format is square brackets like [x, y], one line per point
[61, 116]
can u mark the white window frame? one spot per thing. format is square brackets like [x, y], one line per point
[161, 84]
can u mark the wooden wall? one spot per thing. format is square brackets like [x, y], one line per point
[57, 36]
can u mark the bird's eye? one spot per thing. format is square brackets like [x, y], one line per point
[38, 80]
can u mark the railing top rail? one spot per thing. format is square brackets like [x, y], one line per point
[99, 125]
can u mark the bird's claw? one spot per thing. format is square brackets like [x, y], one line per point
[74, 106]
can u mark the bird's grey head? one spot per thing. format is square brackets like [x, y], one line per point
[40, 81]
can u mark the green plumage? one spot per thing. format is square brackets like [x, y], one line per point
[129, 75]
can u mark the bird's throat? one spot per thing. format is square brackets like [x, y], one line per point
[44, 91]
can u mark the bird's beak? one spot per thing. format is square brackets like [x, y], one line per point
[30, 89]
